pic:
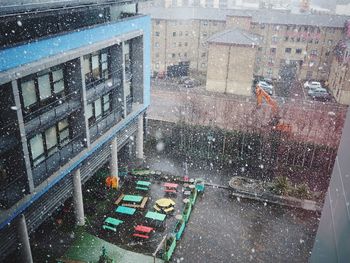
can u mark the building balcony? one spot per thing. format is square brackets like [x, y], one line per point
[11, 192]
[48, 115]
[108, 121]
[94, 91]
[52, 163]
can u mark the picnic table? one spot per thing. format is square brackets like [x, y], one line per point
[145, 229]
[155, 216]
[125, 210]
[170, 187]
[133, 198]
[143, 183]
[111, 223]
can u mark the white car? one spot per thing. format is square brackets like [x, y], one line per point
[311, 85]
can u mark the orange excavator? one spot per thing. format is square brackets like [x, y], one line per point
[275, 122]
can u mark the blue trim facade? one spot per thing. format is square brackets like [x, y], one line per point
[21, 55]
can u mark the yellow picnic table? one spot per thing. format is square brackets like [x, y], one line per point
[165, 202]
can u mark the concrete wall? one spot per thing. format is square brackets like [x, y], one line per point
[230, 69]
[333, 236]
[238, 22]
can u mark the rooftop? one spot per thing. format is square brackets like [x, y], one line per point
[235, 37]
[263, 16]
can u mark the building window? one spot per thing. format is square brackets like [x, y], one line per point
[313, 52]
[174, 44]
[156, 55]
[42, 88]
[180, 33]
[98, 108]
[157, 34]
[288, 50]
[185, 44]
[203, 55]
[46, 143]
[262, 26]
[156, 45]
[157, 22]
[205, 23]
[203, 65]
[173, 55]
[186, 33]
[204, 34]
[37, 152]
[185, 55]
[274, 39]
[174, 34]
[180, 44]
[96, 67]
[273, 51]
[286, 38]
[298, 51]
[330, 42]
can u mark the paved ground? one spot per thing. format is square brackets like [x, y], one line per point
[227, 229]
[224, 229]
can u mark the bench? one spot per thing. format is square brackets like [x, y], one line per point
[120, 198]
[142, 188]
[142, 205]
[170, 191]
[155, 216]
[140, 235]
[145, 229]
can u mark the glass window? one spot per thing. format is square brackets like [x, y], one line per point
[89, 110]
[95, 67]
[106, 104]
[44, 86]
[98, 109]
[28, 93]
[37, 149]
[63, 132]
[58, 82]
[51, 140]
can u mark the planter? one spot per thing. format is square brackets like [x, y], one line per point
[187, 212]
[170, 247]
[179, 229]
[193, 196]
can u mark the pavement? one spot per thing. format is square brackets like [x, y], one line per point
[223, 228]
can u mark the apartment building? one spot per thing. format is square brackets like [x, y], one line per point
[75, 86]
[303, 42]
[339, 76]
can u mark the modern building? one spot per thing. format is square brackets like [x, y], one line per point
[301, 41]
[75, 85]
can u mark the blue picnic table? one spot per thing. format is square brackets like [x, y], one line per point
[125, 210]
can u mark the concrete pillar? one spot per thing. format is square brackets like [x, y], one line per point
[139, 138]
[23, 238]
[114, 158]
[78, 199]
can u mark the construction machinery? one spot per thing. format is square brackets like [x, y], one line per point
[275, 121]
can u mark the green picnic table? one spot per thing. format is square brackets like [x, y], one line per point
[125, 210]
[111, 223]
[133, 198]
[143, 183]
[155, 216]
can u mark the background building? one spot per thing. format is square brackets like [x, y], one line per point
[231, 58]
[75, 86]
[301, 42]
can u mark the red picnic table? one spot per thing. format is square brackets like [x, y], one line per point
[170, 187]
[142, 229]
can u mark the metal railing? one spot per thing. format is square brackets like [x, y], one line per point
[61, 105]
[53, 162]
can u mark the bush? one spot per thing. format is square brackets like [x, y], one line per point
[281, 185]
[302, 191]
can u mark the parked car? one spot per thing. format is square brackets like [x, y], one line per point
[312, 85]
[319, 94]
[266, 87]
